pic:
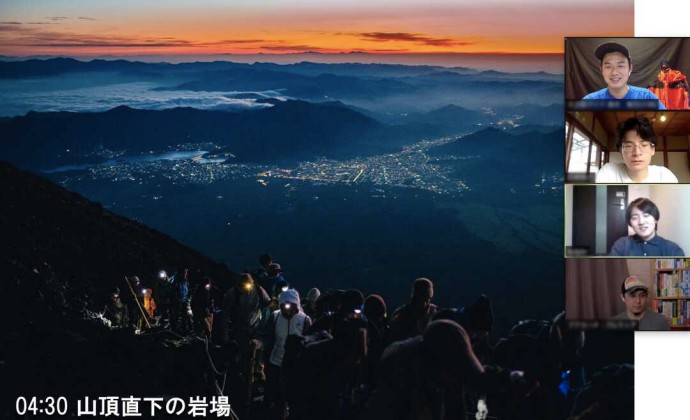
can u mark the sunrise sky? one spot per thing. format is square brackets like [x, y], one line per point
[171, 27]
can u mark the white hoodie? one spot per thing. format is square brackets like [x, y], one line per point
[296, 325]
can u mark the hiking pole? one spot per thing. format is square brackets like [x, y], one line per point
[146, 319]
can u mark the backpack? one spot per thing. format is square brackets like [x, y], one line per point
[295, 345]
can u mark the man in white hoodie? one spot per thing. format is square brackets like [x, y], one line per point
[289, 320]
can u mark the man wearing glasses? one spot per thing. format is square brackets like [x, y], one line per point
[636, 143]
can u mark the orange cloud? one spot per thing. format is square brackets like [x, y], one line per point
[237, 41]
[35, 37]
[438, 27]
[410, 37]
[295, 48]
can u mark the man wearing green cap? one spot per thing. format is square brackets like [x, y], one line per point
[634, 294]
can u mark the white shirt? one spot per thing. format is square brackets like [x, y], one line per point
[283, 328]
[615, 173]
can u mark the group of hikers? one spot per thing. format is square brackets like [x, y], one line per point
[340, 355]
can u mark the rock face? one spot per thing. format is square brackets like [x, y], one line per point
[62, 254]
[51, 232]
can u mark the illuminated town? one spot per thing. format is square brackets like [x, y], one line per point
[411, 168]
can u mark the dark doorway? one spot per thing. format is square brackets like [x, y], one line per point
[584, 218]
[588, 215]
[617, 204]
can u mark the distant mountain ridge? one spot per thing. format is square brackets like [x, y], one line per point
[316, 87]
[60, 65]
[387, 89]
[286, 131]
[57, 66]
[501, 160]
[491, 140]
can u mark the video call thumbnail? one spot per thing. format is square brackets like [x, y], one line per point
[619, 294]
[627, 147]
[636, 220]
[627, 73]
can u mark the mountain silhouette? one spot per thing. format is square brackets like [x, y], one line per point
[317, 87]
[63, 255]
[56, 236]
[287, 131]
[61, 65]
[493, 159]
[494, 141]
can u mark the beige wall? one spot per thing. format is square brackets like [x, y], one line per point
[674, 205]
[643, 269]
[679, 165]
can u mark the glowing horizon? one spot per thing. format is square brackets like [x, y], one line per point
[212, 27]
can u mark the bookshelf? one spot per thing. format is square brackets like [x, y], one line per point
[672, 291]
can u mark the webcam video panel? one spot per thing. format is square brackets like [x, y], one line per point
[627, 147]
[627, 220]
[627, 73]
[646, 294]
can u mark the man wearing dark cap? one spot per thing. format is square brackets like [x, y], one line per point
[634, 294]
[616, 66]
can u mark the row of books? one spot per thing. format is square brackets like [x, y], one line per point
[672, 263]
[677, 311]
[673, 284]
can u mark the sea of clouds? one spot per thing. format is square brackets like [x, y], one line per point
[15, 100]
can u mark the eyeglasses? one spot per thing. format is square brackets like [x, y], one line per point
[644, 146]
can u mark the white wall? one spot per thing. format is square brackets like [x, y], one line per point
[639, 190]
[674, 208]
